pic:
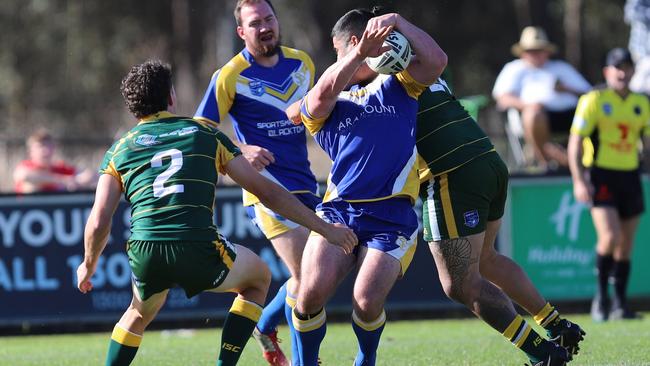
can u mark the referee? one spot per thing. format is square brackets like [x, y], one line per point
[604, 162]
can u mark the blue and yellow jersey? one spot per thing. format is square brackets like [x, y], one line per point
[370, 137]
[612, 127]
[254, 98]
[168, 167]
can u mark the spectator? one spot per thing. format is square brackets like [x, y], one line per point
[42, 173]
[544, 91]
[637, 15]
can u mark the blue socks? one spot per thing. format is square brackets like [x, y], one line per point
[310, 332]
[288, 310]
[273, 312]
[368, 335]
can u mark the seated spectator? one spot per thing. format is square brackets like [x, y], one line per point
[544, 91]
[42, 173]
[637, 15]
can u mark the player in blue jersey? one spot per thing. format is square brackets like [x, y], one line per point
[369, 133]
[252, 91]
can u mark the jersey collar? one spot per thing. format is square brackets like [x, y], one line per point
[156, 117]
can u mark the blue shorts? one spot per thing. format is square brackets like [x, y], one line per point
[390, 226]
[273, 224]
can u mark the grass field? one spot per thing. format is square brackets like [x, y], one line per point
[426, 342]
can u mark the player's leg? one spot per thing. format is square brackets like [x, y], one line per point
[324, 267]
[288, 240]
[621, 269]
[128, 332]
[250, 278]
[455, 213]
[608, 233]
[511, 278]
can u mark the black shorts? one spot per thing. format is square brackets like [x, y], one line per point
[560, 121]
[619, 189]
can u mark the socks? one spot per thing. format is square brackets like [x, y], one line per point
[290, 303]
[604, 265]
[368, 335]
[239, 325]
[549, 319]
[310, 332]
[123, 347]
[273, 312]
[621, 274]
[522, 335]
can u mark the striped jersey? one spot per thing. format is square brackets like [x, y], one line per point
[254, 98]
[447, 136]
[168, 167]
[370, 138]
[612, 126]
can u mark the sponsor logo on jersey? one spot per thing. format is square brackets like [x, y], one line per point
[471, 218]
[146, 140]
[607, 108]
[256, 87]
[367, 110]
[181, 132]
[298, 77]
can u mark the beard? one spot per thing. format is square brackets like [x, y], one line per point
[269, 49]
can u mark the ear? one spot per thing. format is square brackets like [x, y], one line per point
[240, 31]
[354, 40]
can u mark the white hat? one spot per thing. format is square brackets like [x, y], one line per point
[533, 38]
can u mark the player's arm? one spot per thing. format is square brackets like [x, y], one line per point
[582, 189]
[98, 227]
[429, 61]
[321, 99]
[281, 201]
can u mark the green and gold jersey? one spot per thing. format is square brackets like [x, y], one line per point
[447, 136]
[612, 127]
[168, 167]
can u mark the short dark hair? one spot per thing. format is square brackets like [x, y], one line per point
[146, 88]
[242, 3]
[354, 22]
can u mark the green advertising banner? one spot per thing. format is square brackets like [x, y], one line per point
[553, 238]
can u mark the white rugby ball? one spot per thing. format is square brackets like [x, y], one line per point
[394, 60]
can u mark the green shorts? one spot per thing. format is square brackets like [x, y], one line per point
[461, 202]
[194, 266]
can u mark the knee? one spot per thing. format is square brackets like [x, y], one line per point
[608, 242]
[464, 292]
[310, 301]
[366, 308]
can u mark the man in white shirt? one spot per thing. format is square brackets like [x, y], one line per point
[544, 91]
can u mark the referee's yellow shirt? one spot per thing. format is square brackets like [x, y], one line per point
[612, 127]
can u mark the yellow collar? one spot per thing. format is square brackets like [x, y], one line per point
[156, 116]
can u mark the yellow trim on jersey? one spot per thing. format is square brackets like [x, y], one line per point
[311, 123]
[447, 207]
[247, 309]
[126, 338]
[225, 86]
[169, 207]
[445, 125]
[304, 57]
[223, 157]
[413, 87]
[156, 116]
[435, 106]
[111, 170]
[206, 122]
[370, 326]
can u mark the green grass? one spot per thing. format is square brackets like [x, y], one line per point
[426, 342]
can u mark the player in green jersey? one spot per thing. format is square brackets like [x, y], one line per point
[463, 201]
[167, 168]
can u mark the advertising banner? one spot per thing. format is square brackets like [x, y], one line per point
[41, 245]
[553, 238]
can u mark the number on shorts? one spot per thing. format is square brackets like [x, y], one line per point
[159, 189]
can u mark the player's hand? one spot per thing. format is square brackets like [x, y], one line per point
[386, 20]
[583, 191]
[259, 157]
[84, 273]
[293, 112]
[371, 43]
[342, 236]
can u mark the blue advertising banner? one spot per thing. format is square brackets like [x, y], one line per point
[42, 245]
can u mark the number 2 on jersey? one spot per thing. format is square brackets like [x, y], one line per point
[159, 189]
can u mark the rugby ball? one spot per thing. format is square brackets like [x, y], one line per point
[394, 60]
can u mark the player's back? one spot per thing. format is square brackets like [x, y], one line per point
[168, 167]
[447, 136]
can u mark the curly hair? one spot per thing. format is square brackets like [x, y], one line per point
[146, 88]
